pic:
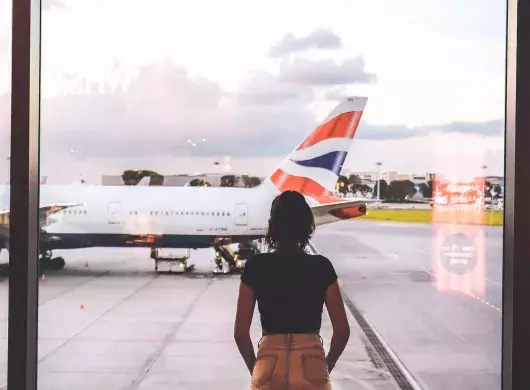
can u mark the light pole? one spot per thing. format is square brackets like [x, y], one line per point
[378, 183]
[484, 167]
[8, 170]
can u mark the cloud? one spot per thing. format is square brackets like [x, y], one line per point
[326, 72]
[394, 132]
[265, 88]
[318, 39]
[335, 94]
[50, 4]
[163, 107]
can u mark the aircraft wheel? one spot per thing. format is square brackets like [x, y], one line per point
[57, 263]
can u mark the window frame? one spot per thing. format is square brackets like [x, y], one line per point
[24, 168]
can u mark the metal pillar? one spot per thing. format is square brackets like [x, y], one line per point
[516, 272]
[24, 216]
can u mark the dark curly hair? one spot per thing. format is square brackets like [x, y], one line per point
[291, 223]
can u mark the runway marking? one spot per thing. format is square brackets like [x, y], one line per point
[60, 294]
[412, 381]
[466, 293]
[423, 252]
[395, 367]
[470, 294]
[121, 301]
[485, 302]
[401, 375]
[151, 360]
[434, 276]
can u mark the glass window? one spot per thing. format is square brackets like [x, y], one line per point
[5, 151]
[394, 108]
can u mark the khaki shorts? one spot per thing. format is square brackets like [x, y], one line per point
[290, 362]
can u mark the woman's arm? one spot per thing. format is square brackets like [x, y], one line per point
[245, 310]
[339, 321]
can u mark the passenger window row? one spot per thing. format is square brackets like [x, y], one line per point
[168, 213]
[74, 212]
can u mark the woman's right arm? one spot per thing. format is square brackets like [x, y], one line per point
[339, 321]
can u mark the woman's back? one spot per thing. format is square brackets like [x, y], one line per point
[290, 290]
[290, 287]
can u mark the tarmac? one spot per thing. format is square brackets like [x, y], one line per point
[445, 336]
[108, 321]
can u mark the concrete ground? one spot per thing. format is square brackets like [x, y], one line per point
[446, 338]
[108, 321]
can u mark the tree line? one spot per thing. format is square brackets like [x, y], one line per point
[133, 177]
[398, 190]
[492, 191]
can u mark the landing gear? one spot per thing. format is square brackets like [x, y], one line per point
[57, 263]
[47, 261]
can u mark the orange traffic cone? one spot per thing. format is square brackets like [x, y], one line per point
[364, 277]
[43, 278]
[82, 307]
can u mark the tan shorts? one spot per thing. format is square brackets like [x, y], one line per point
[290, 362]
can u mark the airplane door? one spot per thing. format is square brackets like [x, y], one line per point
[241, 214]
[114, 213]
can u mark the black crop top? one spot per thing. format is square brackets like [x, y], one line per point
[290, 290]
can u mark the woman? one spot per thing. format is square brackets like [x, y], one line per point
[291, 287]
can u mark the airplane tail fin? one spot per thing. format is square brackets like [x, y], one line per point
[313, 168]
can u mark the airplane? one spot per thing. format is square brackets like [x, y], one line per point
[73, 217]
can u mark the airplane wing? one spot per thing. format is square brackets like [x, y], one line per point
[44, 213]
[323, 209]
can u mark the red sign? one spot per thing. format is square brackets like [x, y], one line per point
[459, 254]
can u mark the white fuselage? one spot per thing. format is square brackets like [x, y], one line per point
[184, 212]
[159, 210]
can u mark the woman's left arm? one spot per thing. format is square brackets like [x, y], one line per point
[245, 310]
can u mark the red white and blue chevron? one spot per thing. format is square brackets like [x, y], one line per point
[314, 166]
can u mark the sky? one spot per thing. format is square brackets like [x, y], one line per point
[131, 86]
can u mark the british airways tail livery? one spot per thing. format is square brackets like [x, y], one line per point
[314, 166]
[197, 217]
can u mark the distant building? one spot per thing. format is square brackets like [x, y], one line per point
[389, 177]
[496, 180]
[369, 178]
[420, 178]
[112, 180]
